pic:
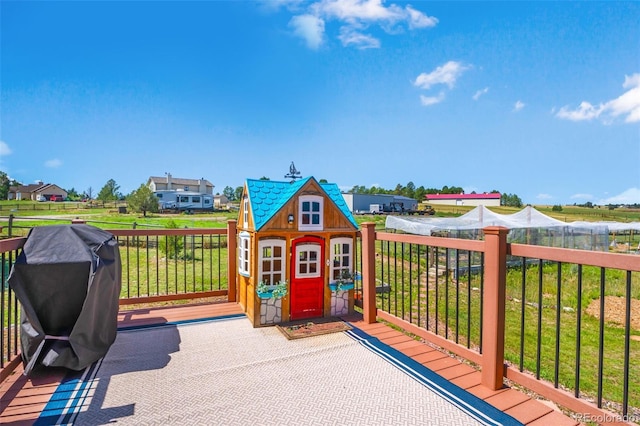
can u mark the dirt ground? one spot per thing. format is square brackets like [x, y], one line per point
[614, 310]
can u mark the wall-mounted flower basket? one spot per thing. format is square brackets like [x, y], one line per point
[266, 295]
[276, 291]
[340, 287]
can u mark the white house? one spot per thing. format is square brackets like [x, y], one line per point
[182, 194]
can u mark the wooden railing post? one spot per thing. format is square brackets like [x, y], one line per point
[493, 322]
[231, 259]
[369, 272]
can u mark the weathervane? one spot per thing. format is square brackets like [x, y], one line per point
[293, 173]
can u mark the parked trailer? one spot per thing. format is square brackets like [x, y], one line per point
[184, 201]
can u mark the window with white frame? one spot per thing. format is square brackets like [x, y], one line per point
[244, 250]
[341, 256]
[271, 269]
[245, 215]
[310, 217]
[309, 260]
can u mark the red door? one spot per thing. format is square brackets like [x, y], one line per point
[307, 278]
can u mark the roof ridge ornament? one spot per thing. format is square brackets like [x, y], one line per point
[293, 173]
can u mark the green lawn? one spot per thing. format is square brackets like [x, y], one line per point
[458, 312]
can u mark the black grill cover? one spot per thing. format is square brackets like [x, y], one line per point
[67, 279]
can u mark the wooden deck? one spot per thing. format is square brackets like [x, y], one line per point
[22, 399]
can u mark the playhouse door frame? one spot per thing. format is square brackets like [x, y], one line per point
[307, 278]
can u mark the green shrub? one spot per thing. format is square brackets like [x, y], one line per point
[171, 245]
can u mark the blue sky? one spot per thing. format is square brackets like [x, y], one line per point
[540, 99]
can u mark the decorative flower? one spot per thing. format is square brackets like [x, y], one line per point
[345, 276]
[278, 290]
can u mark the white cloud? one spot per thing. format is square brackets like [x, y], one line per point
[630, 196]
[53, 163]
[445, 74]
[310, 28]
[518, 106]
[479, 93]
[350, 36]
[544, 197]
[432, 100]
[361, 10]
[582, 197]
[354, 16]
[585, 111]
[626, 106]
[4, 149]
[418, 19]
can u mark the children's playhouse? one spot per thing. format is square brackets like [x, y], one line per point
[296, 243]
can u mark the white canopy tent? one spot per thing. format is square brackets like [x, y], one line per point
[527, 226]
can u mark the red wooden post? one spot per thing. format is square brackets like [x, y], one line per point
[369, 272]
[495, 274]
[232, 257]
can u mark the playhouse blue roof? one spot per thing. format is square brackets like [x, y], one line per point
[267, 197]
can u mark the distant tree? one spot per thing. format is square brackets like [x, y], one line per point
[88, 193]
[556, 208]
[238, 193]
[229, 193]
[420, 194]
[143, 200]
[445, 190]
[109, 191]
[323, 181]
[410, 190]
[264, 178]
[4, 186]
[510, 200]
[72, 194]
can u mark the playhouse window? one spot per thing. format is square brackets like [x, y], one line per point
[342, 255]
[309, 261]
[244, 253]
[245, 215]
[310, 213]
[195, 199]
[272, 262]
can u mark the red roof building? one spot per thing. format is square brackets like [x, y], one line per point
[485, 199]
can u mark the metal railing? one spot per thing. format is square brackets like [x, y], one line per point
[157, 265]
[9, 316]
[563, 326]
[168, 264]
[560, 322]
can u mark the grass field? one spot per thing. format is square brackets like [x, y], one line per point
[534, 313]
[31, 214]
